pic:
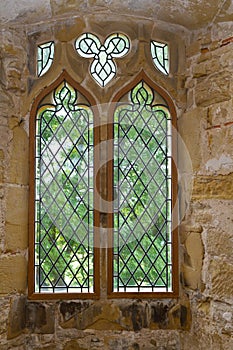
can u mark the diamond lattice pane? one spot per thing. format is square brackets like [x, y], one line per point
[64, 195]
[142, 217]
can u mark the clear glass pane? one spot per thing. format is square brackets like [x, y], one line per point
[142, 191]
[103, 68]
[160, 56]
[64, 207]
[45, 55]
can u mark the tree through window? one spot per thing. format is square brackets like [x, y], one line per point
[141, 190]
[143, 193]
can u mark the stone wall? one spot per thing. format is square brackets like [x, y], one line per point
[207, 231]
[202, 316]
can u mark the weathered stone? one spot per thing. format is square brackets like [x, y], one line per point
[193, 263]
[40, 318]
[70, 309]
[193, 49]
[17, 205]
[136, 315]
[16, 237]
[68, 31]
[200, 70]
[219, 114]
[5, 307]
[219, 187]
[159, 316]
[13, 274]
[218, 88]
[17, 317]
[2, 165]
[73, 345]
[180, 316]
[191, 120]
[18, 170]
[222, 279]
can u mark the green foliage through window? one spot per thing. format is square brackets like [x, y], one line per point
[142, 181]
[64, 194]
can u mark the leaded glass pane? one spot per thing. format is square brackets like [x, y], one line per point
[160, 56]
[142, 182]
[103, 68]
[45, 54]
[64, 194]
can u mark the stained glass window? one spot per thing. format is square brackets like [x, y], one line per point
[103, 68]
[64, 194]
[45, 54]
[160, 56]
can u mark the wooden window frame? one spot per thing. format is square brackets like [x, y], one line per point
[32, 146]
[174, 246]
[98, 252]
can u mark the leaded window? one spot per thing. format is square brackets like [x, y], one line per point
[64, 253]
[142, 178]
[160, 56]
[45, 55]
[141, 257]
[103, 67]
[74, 170]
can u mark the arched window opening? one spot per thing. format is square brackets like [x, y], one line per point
[143, 258]
[63, 182]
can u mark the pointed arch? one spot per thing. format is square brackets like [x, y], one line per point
[118, 269]
[47, 199]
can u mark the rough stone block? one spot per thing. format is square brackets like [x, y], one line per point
[219, 187]
[192, 267]
[221, 279]
[191, 120]
[13, 274]
[17, 317]
[159, 316]
[40, 318]
[213, 89]
[74, 345]
[220, 113]
[135, 315]
[69, 310]
[180, 317]
[16, 237]
[17, 205]
[4, 307]
[18, 169]
[200, 70]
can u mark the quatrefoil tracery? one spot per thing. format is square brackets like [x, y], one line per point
[102, 68]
